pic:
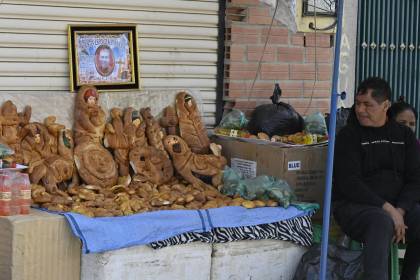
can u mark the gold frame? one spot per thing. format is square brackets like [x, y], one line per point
[75, 30]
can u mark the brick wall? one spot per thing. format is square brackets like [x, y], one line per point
[289, 59]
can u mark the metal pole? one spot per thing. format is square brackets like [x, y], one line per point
[331, 144]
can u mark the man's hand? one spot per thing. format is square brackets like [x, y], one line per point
[401, 211]
[397, 215]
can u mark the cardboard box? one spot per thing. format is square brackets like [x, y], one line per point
[38, 246]
[302, 167]
[187, 261]
[255, 259]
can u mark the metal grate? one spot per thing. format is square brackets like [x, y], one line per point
[388, 46]
[321, 7]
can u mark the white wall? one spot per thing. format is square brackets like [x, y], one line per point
[177, 48]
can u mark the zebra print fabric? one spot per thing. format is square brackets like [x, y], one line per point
[297, 230]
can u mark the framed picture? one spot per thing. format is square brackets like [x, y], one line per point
[104, 56]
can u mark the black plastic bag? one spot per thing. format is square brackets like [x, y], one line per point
[342, 117]
[343, 264]
[275, 119]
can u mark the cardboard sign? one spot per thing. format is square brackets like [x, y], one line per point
[248, 168]
[293, 165]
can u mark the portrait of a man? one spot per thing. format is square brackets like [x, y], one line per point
[104, 56]
[104, 60]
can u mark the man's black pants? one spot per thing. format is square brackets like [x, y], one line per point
[375, 229]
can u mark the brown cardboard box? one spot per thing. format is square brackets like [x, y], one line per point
[302, 167]
[38, 246]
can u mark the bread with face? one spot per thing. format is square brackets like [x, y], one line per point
[95, 164]
[188, 163]
[89, 118]
[48, 151]
[169, 120]
[152, 164]
[191, 126]
[116, 139]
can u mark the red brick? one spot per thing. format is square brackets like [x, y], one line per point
[298, 102]
[258, 15]
[274, 71]
[307, 106]
[307, 72]
[320, 103]
[316, 93]
[275, 31]
[278, 40]
[243, 89]
[243, 71]
[291, 89]
[321, 89]
[242, 75]
[257, 11]
[323, 55]
[324, 72]
[237, 66]
[286, 54]
[245, 2]
[254, 53]
[298, 40]
[302, 72]
[240, 38]
[246, 85]
[319, 85]
[259, 20]
[244, 104]
[237, 53]
[250, 30]
[322, 40]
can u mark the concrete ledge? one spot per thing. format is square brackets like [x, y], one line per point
[256, 260]
[189, 261]
[39, 246]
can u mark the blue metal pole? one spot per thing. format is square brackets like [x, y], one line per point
[331, 144]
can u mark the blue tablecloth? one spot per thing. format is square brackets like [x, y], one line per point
[110, 233]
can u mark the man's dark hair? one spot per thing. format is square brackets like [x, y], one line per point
[381, 90]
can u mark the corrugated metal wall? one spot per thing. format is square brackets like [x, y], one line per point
[389, 45]
[177, 43]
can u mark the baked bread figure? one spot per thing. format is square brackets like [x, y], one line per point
[95, 164]
[188, 163]
[191, 127]
[154, 131]
[89, 118]
[152, 164]
[116, 138]
[135, 128]
[169, 120]
[11, 124]
[47, 149]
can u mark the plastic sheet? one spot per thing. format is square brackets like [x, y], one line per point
[343, 264]
[261, 187]
[285, 12]
[5, 151]
[235, 119]
[315, 124]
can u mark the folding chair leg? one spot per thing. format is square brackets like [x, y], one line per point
[395, 275]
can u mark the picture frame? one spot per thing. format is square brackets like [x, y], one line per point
[104, 56]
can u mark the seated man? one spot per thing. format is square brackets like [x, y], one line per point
[377, 182]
